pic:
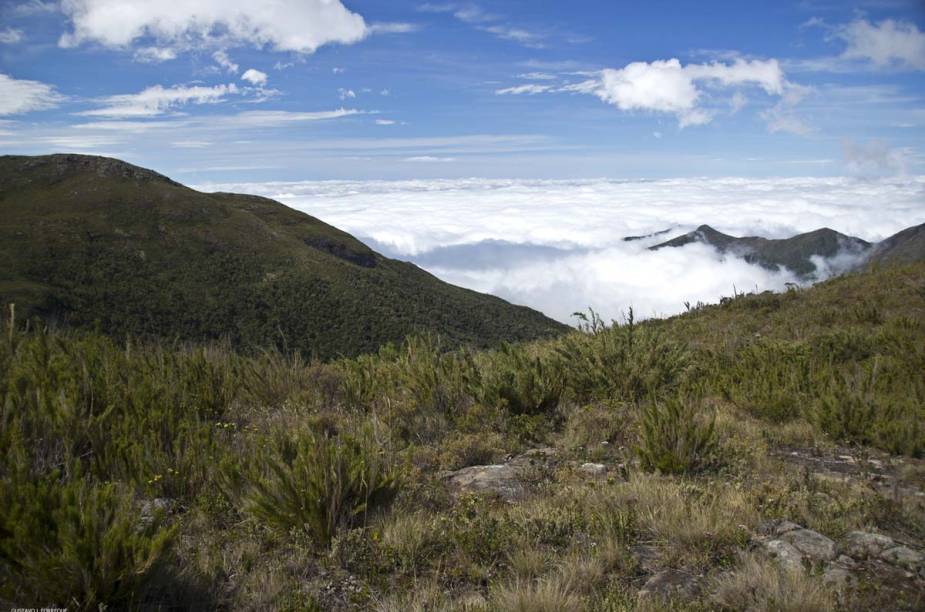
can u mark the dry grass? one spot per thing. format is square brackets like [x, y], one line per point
[552, 594]
[761, 585]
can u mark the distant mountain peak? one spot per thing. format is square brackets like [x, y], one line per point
[795, 253]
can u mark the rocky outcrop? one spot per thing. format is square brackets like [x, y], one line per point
[506, 480]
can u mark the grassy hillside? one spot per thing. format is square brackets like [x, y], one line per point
[95, 242]
[633, 466]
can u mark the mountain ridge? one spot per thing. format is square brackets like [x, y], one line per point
[794, 253]
[97, 242]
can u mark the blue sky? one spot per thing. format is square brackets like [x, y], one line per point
[212, 90]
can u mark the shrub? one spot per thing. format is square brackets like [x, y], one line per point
[522, 383]
[675, 436]
[766, 378]
[847, 410]
[433, 379]
[319, 484]
[75, 545]
[623, 362]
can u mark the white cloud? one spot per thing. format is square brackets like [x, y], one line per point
[221, 58]
[278, 118]
[887, 43]
[11, 36]
[385, 122]
[520, 35]
[21, 96]
[780, 119]
[393, 28]
[874, 157]
[666, 86]
[344, 94]
[255, 77]
[35, 7]
[284, 25]
[557, 245]
[479, 18]
[530, 89]
[537, 76]
[430, 159]
[158, 100]
[155, 55]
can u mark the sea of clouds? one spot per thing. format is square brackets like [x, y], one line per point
[558, 246]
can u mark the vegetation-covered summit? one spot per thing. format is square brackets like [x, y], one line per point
[96, 242]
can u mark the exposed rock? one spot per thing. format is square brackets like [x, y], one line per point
[784, 527]
[845, 561]
[785, 553]
[837, 578]
[647, 556]
[594, 469]
[862, 545]
[811, 543]
[669, 583]
[506, 479]
[502, 479]
[903, 556]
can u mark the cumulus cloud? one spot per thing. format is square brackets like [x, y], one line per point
[888, 43]
[558, 245]
[158, 100]
[11, 36]
[344, 94]
[22, 96]
[255, 77]
[221, 58]
[667, 86]
[299, 26]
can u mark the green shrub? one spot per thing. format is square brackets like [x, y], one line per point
[847, 411]
[622, 362]
[519, 382]
[432, 379]
[317, 483]
[76, 545]
[880, 405]
[767, 378]
[675, 436]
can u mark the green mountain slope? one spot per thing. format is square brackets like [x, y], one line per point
[92, 241]
[794, 253]
[906, 246]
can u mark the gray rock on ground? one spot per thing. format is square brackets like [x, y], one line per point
[507, 480]
[785, 553]
[593, 469]
[811, 543]
[904, 557]
[669, 583]
[862, 545]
